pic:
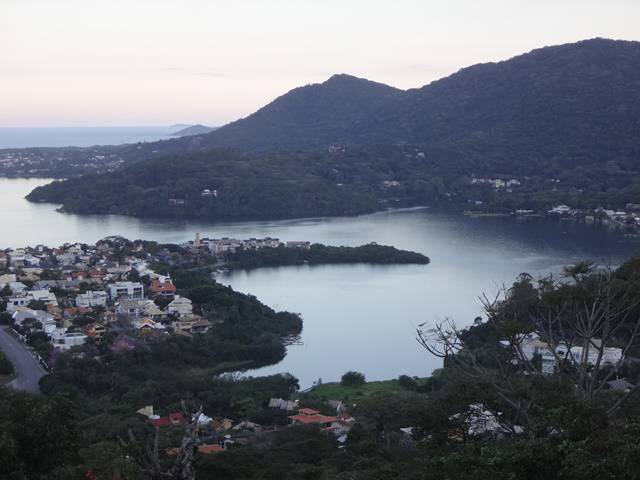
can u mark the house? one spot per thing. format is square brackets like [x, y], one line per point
[308, 416]
[282, 404]
[202, 325]
[95, 330]
[180, 306]
[46, 319]
[479, 421]
[620, 385]
[43, 296]
[298, 244]
[560, 210]
[7, 278]
[92, 299]
[14, 303]
[147, 325]
[162, 286]
[3, 260]
[224, 245]
[140, 308]
[17, 288]
[64, 340]
[131, 290]
[531, 345]
[173, 419]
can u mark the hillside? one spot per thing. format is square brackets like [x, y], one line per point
[569, 113]
[577, 100]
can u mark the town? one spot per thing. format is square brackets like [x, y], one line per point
[76, 298]
[78, 292]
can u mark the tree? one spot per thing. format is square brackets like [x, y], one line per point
[352, 379]
[580, 322]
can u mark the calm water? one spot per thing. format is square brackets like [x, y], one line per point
[356, 317]
[80, 136]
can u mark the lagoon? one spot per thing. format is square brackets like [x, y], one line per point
[356, 317]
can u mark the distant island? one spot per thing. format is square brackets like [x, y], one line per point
[318, 254]
[193, 130]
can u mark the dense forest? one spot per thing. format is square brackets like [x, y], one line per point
[561, 120]
[566, 424]
[319, 254]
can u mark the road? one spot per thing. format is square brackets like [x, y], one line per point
[28, 369]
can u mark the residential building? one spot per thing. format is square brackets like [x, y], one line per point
[46, 319]
[95, 330]
[298, 244]
[131, 290]
[92, 299]
[64, 340]
[162, 286]
[139, 308]
[180, 306]
[309, 416]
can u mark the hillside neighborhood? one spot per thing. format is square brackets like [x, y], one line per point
[68, 295]
[78, 297]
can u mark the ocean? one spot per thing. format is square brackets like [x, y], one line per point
[80, 136]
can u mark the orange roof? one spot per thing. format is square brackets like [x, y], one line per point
[166, 287]
[309, 419]
[206, 449]
[308, 411]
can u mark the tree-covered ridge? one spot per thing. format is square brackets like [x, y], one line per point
[347, 180]
[318, 254]
[568, 108]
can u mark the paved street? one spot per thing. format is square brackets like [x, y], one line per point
[28, 370]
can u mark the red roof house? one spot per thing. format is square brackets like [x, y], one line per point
[162, 288]
[308, 416]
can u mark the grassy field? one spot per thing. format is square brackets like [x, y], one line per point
[336, 391]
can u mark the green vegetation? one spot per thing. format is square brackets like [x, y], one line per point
[319, 254]
[353, 393]
[566, 424]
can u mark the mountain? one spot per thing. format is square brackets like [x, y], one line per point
[587, 92]
[193, 130]
[570, 113]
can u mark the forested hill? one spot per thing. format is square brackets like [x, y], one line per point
[564, 121]
[571, 102]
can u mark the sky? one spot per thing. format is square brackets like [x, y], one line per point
[161, 62]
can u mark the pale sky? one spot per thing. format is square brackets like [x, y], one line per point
[160, 62]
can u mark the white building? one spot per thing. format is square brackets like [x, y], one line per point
[139, 308]
[126, 290]
[43, 296]
[531, 345]
[64, 340]
[92, 299]
[299, 244]
[561, 210]
[180, 306]
[46, 319]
